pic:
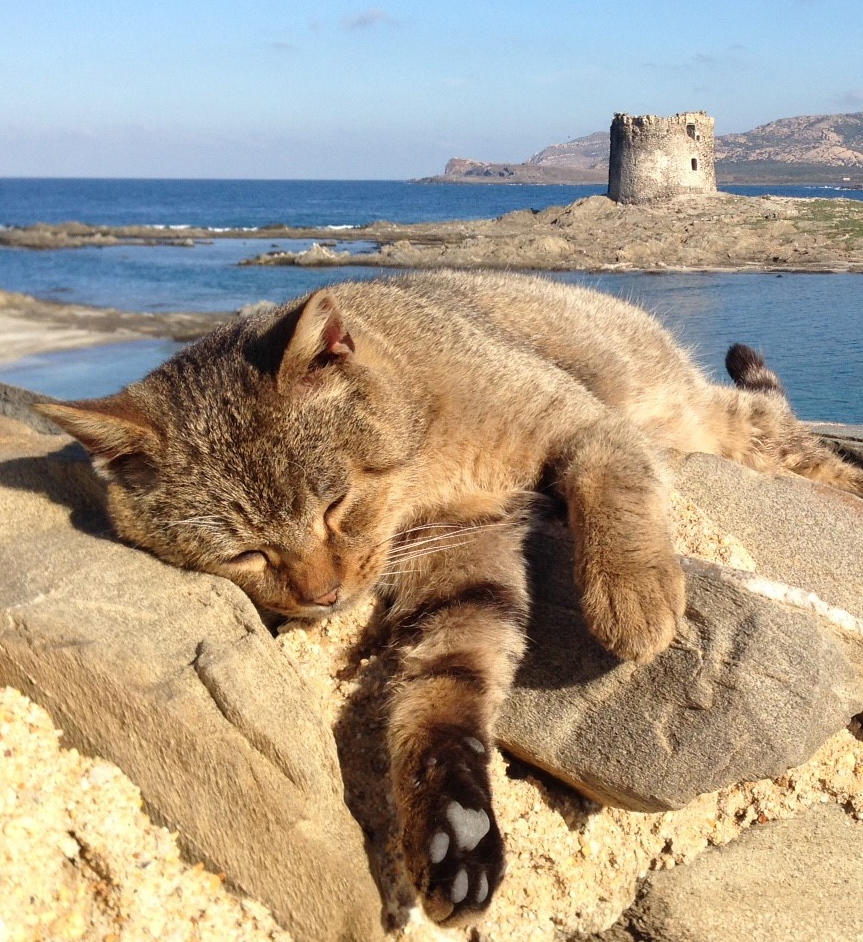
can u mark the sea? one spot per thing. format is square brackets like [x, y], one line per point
[808, 326]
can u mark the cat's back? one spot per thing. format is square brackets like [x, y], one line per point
[616, 349]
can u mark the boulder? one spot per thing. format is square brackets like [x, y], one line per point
[172, 676]
[761, 673]
[801, 533]
[788, 881]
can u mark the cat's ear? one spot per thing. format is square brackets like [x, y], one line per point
[309, 338]
[115, 432]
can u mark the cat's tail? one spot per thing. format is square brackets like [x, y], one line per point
[749, 371]
[759, 429]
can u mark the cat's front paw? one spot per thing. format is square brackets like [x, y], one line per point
[453, 847]
[633, 610]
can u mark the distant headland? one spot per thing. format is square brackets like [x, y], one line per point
[816, 150]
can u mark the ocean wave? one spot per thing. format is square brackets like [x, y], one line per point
[180, 228]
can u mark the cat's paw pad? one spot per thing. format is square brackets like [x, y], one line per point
[464, 863]
[453, 847]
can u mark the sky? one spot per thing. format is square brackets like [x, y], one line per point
[277, 89]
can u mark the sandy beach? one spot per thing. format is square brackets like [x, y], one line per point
[30, 325]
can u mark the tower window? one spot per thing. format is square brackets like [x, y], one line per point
[690, 130]
[694, 163]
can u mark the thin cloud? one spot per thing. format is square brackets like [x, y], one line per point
[852, 100]
[733, 57]
[368, 19]
[282, 47]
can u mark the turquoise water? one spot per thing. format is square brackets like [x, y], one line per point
[810, 327]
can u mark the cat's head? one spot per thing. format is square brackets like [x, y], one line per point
[274, 451]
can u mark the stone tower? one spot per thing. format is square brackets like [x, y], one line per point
[654, 158]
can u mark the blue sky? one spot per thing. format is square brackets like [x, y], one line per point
[392, 89]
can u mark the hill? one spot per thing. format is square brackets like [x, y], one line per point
[816, 149]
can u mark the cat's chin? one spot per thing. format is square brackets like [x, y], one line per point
[312, 612]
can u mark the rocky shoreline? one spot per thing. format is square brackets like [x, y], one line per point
[710, 232]
[717, 232]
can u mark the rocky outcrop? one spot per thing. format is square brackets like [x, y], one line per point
[715, 231]
[584, 160]
[172, 676]
[787, 881]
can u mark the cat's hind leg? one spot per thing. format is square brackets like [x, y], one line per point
[460, 608]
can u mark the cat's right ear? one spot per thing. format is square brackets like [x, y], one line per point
[305, 339]
[114, 431]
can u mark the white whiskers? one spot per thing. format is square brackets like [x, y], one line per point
[403, 554]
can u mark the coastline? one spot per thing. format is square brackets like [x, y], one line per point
[718, 232]
[694, 232]
[31, 325]
[704, 232]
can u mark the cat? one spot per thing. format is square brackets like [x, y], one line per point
[382, 436]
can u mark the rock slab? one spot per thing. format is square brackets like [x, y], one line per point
[798, 532]
[796, 880]
[172, 676]
[751, 687]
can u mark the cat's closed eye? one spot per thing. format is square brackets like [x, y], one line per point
[250, 561]
[331, 514]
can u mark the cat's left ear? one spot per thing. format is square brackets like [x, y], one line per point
[114, 430]
[310, 338]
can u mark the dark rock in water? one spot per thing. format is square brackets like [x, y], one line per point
[172, 676]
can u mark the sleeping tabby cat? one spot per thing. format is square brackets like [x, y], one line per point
[381, 436]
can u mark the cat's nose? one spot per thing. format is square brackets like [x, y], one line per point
[328, 598]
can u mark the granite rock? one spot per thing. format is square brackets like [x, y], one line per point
[788, 881]
[752, 685]
[798, 532]
[172, 676]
